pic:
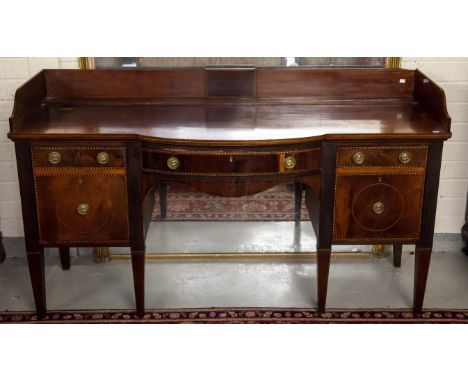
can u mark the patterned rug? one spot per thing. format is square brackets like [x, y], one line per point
[243, 316]
[275, 204]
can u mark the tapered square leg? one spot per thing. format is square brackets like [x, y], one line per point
[323, 267]
[421, 270]
[163, 200]
[297, 200]
[397, 249]
[138, 266]
[65, 257]
[37, 275]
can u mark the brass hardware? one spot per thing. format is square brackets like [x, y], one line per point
[244, 256]
[172, 163]
[86, 62]
[289, 162]
[393, 62]
[404, 157]
[82, 208]
[55, 157]
[378, 208]
[101, 254]
[358, 157]
[378, 250]
[102, 157]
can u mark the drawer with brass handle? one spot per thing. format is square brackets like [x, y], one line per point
[76, 156]
[230, 163]
[79, 206]
[381, 156]
[376, 208]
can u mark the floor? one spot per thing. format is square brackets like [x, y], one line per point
[355, 281]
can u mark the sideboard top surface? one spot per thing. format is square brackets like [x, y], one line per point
[278, 105]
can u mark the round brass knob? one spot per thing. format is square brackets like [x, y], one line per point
[404, 157]
[102, 157]
[82, 208]
[378, 208]
[289, 162]
[172, 163]
[358, 157]
[55, 157]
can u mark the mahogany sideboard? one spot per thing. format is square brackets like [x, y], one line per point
[365, 144]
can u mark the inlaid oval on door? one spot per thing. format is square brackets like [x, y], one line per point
[378, 207]
[84, 191]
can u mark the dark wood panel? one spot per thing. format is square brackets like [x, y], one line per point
[28, 197]
[58, 197]
[125, 83]
[274, 82]
[329, 83]
[238, 82]
[231, 188]
[228, 123]
[401, 197]
[27, 97]
[430, 196]
[432, 97]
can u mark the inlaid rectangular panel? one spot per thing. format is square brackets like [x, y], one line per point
[78, 206]
[378, 207]
[335, 83]
[230, 82]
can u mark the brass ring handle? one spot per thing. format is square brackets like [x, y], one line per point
[55, 157]
[358, 158]
[102, 157]
[172, 163]
[404, 157]
[378, 208]
[289, 162]
[82, 208]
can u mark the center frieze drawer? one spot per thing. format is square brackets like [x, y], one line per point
[210, 163]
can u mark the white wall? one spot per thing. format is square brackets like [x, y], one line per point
[451, 74]
[13, 73]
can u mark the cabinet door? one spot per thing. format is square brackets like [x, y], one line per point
[82, 208]
[373, 208]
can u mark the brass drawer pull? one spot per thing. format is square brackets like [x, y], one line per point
[378, 208]
[404, 157]
[358, 158]
[173, 163]
[82, 208]
[55, 157]
[289, 162]
[102, 158]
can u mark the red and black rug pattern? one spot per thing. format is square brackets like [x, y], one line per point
[242, 316]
